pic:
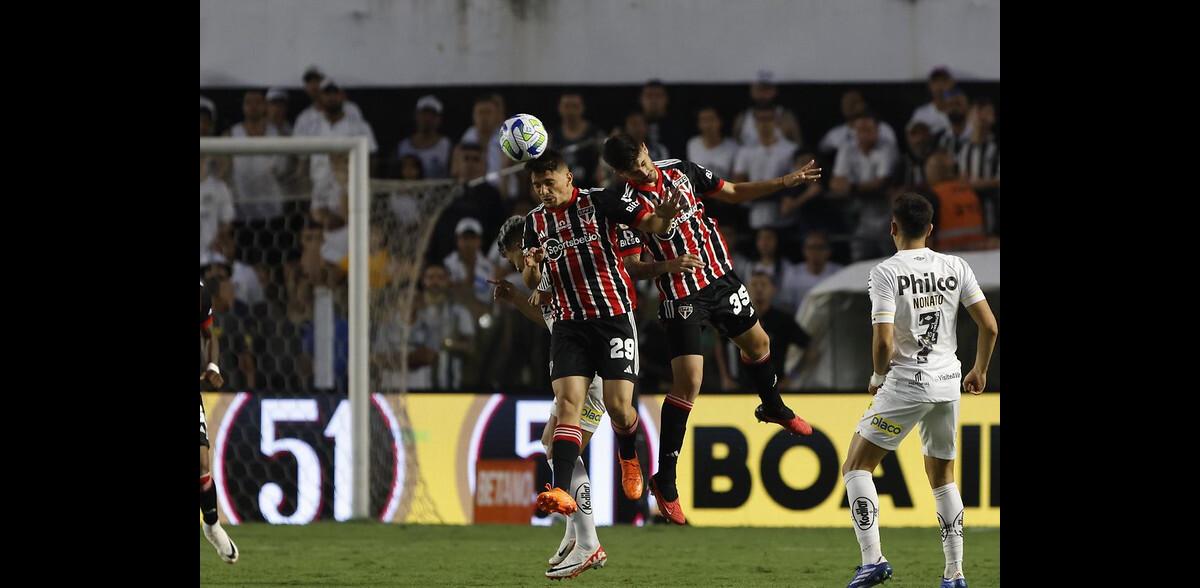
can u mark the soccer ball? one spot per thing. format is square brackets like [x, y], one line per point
[522, 137]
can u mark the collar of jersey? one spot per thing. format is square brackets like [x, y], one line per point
[574, 196]
[657, 187]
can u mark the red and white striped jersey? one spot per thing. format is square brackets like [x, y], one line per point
[583, 253]
[691, 232]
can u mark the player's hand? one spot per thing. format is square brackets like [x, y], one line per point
[974, 382]
[503, 290]
[873, 389]
[534, 256]
[669, 207]
[684, 264]
[808, 173]
[213, 378]
[539, 298]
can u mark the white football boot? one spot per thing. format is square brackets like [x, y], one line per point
[579, 561]
[221, 541]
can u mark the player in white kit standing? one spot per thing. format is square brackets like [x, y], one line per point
[914, 305]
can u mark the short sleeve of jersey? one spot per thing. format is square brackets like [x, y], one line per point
[627, 209]
[531, 238]
[628, 241]
[705, 181]
[206, 316]
[881, 286]
[971, 292]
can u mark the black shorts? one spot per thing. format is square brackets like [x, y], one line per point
[203, 426]
[605, 346]
[724, 303]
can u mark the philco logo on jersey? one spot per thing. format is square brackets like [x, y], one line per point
[887, 427]
[864, 513]
[685, 311]
[926, 283]
[555, 248]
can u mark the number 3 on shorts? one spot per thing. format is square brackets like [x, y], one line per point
[740, 299]
[617, 345]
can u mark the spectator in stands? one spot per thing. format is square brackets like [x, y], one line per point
[277, 110]
[335, 121]
[576, 138]
[635, 126]
[960, 131]
[853, 105]
[257, 193]
[710, 148]
[862, 171]
[808, 206]
[405, 204]
[427, 142]
[309, 119]
[381, 268]
[772, 263]
[216, 210]
[444, 327]
[957, 214]
[763, 92]
[469, 268]
[208, 117]
[769, 158]
[932, 113]
[482, 202]
[979, 162]
[731, 233]
[804, 276]
[660, 126]
[920, 147]
[778, 324]
[247, 281]
[486, 116]
[234, 330]
[304, 270]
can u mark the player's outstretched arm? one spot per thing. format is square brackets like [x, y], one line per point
[881, 352]
[981, 313]
[505, 291]
[738, 192]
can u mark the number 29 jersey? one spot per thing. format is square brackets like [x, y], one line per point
[919, 290]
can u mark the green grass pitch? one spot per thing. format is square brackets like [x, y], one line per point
[373, 554]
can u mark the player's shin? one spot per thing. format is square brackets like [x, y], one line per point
[675, 413]
[568, 440]
[762, 373]
[950, 519]
[864, 513]
[208, 499]
[581, 491]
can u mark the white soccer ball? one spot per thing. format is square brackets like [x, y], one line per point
[522, 137]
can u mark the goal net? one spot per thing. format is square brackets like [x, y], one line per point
[314, 269]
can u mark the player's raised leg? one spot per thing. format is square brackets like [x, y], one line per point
[755, 354]
[862, 459]
[586, 553]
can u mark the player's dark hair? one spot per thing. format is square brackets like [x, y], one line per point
[511, 233]
[655, 83]
[549, 161]
[709, 106]
[621, 151]
[913, 213]
[867, 113]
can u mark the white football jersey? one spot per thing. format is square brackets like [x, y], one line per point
[919, 290]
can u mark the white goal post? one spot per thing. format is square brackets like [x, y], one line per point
[359, 319]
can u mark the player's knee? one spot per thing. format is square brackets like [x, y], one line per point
[687, 383]
[622, 415]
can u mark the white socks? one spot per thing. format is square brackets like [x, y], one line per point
[864, 512]
[581, 526]
[581, 523]
[950, 519]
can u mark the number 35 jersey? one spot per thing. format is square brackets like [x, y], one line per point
[919, 290]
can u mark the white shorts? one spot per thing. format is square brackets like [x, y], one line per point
[593, 406]
[889, 419]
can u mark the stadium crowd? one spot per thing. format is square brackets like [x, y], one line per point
[274, 240]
